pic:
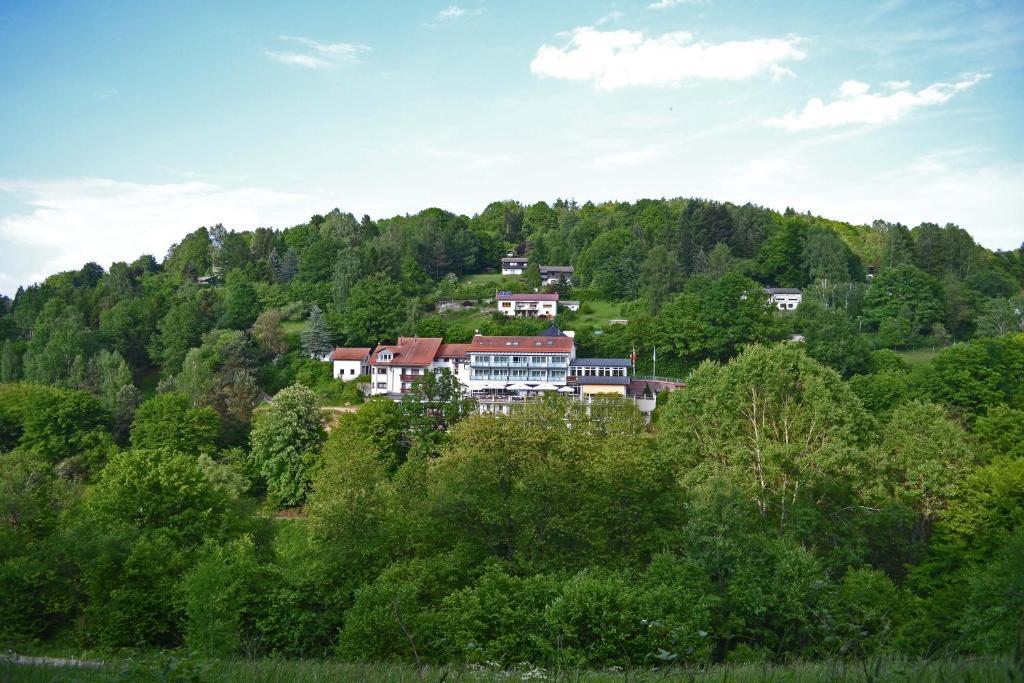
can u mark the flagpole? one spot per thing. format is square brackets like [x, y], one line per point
[654, 358]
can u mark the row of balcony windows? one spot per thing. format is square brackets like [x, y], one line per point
[519, 375]
[519, 362]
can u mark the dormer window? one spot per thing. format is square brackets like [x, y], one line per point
[385, 356]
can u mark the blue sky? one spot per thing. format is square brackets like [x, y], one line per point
[125, 125]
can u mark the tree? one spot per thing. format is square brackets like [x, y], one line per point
[435, 404]
[662, 277]
[267, 331]
[712, 318]
[316, 342]
[241, 305]
[181, 329]
[830, 337]
[924, 457]
[905, 292]
[219, 374]
[775, 423]
[1001, 316]
[168, 421]
[374, 310]
[59, 337]
[285, 441]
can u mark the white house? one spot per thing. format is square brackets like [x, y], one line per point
[552, 275]
[785, 298]
[393, 368]
[571, 305]
[514, 265]
[502, 367]
[349, 363]
[528, 305]
[502, 372]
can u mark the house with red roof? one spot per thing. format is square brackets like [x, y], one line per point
[539, 305]
[349, 363]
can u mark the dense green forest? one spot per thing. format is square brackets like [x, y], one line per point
[857, 494]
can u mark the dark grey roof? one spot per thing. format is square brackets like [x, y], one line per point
[782, 290]
[516, 259]
[551, 331]
[590, 379]
[556, 269]
[602, 362]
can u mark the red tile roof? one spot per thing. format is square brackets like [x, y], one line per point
[453, 350]
[410, 351]
[350, 353]
[528, 297]
[521, 344]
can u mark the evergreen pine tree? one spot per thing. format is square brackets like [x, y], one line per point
[316, 342]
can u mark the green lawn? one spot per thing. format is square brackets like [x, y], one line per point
[915, 357]
[489, 278]
[170, 668]
[293, 326]
[600, 312]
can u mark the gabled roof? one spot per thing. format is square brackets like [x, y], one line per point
[410, 351]
[617, 381]
[556, 269]
[453, 350]
[521, 344]
[514, 259]
[782, 290]
[552, 331]
[602, 362]
[508, 296]
[341, 353]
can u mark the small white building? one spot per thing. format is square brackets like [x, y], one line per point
[528, 305]
[514, 265]
[571, 305]
[350, 363]
[552, 275]
[785, 298]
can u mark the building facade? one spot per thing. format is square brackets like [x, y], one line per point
[527, 305]
[552, 275]
[784, 298]
[514, 265]
[350, 363]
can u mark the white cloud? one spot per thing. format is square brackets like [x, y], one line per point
[665, 4]
[298, 59]
[611, 60]
[317, 55]
[67, 223]
[941, 187]
[613, 16]
[857, 105]
[451, 12]
[896, 85]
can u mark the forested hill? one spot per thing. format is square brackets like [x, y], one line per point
[167, 481]
[373, 280]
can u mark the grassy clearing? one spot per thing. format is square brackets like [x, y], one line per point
[489, 278]
[915, 357]
[600, 312]
[169, 668]
[293, 326]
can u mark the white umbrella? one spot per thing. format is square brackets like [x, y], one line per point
[546, 387]
[518, 387]
[567, 390]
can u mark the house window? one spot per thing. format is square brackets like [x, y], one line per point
[382, 371]
[352, 371]
[382, 385]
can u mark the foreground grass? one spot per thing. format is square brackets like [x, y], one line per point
[171, 669]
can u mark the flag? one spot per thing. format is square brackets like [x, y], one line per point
[632, 356]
